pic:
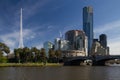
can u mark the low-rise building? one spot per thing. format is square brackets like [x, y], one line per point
[73, 53]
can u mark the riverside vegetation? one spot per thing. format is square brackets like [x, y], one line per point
[28, 57]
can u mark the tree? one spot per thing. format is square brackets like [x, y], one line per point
[58, 54]
[51, 56]
[17, 55]
[43, 55]
[36, 54]
[3, 49]
[51, 53]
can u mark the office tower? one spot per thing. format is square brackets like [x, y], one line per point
[108, 51]
[81, 42]
[47, 45]
[61, 44]
[71, 37]
[88, 25]
[57, 44]
[97, 49]
[77, 40]
[77, 43]
[64, 45]
[103, 40]
[95, 40]
[100, 47]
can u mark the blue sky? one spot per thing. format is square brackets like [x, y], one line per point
[43, 19]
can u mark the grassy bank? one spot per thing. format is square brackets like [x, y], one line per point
[28, 64]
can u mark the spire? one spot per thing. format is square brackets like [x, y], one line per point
[21, 35]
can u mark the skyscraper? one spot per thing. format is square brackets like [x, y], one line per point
[88, 25]
[103, 40]
[47, 45]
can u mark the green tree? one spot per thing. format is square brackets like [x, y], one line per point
[17, 55]
[27, 54]
[51, 56]
[58, 55]
[36, 54]
[43, 55]
[3, 49]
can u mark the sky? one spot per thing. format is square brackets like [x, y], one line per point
[44, 19]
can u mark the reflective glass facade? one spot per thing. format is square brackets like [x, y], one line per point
[88, 25]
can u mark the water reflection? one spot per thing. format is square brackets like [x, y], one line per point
[60, 73]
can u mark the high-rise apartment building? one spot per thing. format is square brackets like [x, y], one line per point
[88, 25]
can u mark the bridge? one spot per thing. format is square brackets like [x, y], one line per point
[74, 61]
[96, 60]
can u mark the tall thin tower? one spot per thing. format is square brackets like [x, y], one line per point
[88, 25]
[21, 35]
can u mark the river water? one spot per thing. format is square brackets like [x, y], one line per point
[60, 73]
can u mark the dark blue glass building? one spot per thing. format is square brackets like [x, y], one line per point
[88, 25]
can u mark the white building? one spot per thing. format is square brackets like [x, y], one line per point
[61, 44]
[57, 44]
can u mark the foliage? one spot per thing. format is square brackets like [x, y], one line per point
[3, 49]
[43, 55]
[27, 55]
[54, 56]
[58, 55]
[3, 59]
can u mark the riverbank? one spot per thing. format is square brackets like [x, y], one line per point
[28, 64]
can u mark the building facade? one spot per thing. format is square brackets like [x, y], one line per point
[61, 44]
[88, 25]
[57, 44]
[103, 40]
[100, 47]
[78, 43]
[73, 53]
[97, 49]
[70, 36]
[47, 45]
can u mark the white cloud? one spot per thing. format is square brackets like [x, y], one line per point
[112, 30]
[108, 27]
[39, 46]
[114, 46]
[12, 39]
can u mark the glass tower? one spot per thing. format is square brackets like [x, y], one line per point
[88, 25]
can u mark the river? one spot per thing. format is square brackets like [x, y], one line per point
[60, 73]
